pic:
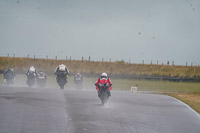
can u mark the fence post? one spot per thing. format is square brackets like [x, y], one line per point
[167, 62]
[110, 59]
[46, 56]
[172, 63]
[28, 56]
[66, 57]
[13, 55]
[186, 64]
[70, 58]
[89, 58]
[56, 58]
[82, 58]
[143, 62]
[34, 57]
[192, 64]
[157, 62]
[102, 59]
[7, 55]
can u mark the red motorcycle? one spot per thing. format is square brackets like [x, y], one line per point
[103, 92]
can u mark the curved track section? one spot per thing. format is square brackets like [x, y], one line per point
[49, 110]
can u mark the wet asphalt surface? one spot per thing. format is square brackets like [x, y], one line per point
[51, 110]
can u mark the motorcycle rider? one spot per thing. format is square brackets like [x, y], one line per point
[62, 68]
[103, 79]
[61, 72]
[31, 70]
[31, 75]
[41, 74]
[41, 79]
[9, 74]
[78, 79]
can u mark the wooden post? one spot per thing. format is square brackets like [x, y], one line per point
[82, 58]
[56, 58]
[34, 57]
[167, 62]
[89, 58]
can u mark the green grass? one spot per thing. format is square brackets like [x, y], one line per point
[122, 84]
[157, 86]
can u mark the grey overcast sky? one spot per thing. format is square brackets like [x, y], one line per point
[118, 29]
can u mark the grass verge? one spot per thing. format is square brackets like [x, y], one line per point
[191, 99]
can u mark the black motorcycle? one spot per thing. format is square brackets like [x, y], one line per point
[30, 79]
[9, 77]
[61, 79]
[41, 79]
[104, 92]
[78, 84]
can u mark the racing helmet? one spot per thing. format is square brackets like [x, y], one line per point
[104, 75]
[62, 67]
[32, 69]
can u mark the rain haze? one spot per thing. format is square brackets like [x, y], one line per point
[45, 96]
[117, 29]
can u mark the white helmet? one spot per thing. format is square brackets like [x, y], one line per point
[62, 67]
[32, 69]
[104, 75]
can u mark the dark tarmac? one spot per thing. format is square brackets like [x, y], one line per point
[50, 110]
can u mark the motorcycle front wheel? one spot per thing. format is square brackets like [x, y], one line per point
[61, 86]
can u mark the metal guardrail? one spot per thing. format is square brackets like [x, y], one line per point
[144, 77]
[150, 77]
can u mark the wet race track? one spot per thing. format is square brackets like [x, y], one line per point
[50, 110]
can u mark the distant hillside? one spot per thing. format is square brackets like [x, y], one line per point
[91, 67]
